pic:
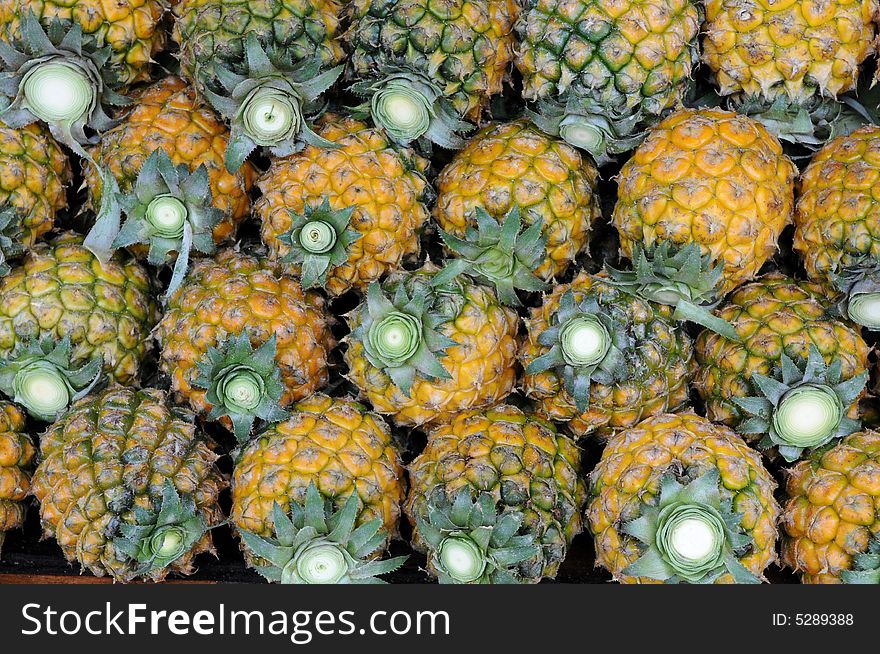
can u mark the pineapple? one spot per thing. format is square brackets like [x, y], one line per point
[57, 76]
[213, 34]
[837, 223]
[510, 165]
[127, 486]
[782, 61]
[132, 30]
[831, 514]
[775, 316]
[17, 454]
[226, 305]
[423, 348]
[709, 177]
[62, 291]
[170, 116]
[377, 192]
[495, 498]
[35, 174]
[331, 446]
[600, 359]
[678, 499]
[602, 71]
[422, 66]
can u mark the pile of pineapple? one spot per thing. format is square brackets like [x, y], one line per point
[333, 274]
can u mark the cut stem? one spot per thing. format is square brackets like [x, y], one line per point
[58, 91]
[807, 416]
[461, 559]
[585, 341]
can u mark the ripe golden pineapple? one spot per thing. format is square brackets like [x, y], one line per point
[127, 486]
[837, 223]
[169, 115]
[678, 499]
[621, 358]
[35, 174]
[382, 188]
[512, 464]
[422, 66]
[335, 444]
[213, 33]
[831, 515]
[774, 316]
[17, 454]
[709, 177]
[514, 164]
[792, 50]
[602, 70]
[61, 290]
[226, 305]
[422, 349]
[133, 29]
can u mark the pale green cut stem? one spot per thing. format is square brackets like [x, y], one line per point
[461, 558]
[58, 92]
[322, 564]
[864, 309]
[584, 341]
[167, 215]
[317, 237]
[807, 416]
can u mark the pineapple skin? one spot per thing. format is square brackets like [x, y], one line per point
[482, 364]
[791, 50]
[61, 289]
[519, 459]
[838, 214]
[710, 177]
[515, 164]
[464, 46]
[34, 176]
[232, 292]
[686, 445]
[385, 183]
[133, 29]
[112, 451]
[773, 315]
[660, 363]
[169, 115]
[213, 32]
[635, 55]
[831, 512]
[17, 456]
[334, 443]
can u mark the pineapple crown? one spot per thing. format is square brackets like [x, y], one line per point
[242, 384]
[409, 107]
[11, 237]
[38, 376]
[801, 406]
[590, 124]
[319, 240]
[859, 283]
[169, 208]
[270, 105]
[399, 330]
[59, 77]
[678, 276]
[500, 255]
[471, 542]
[807, 122]
[866, 566]
[691, 535]
[587, 343]
[317, 545]
[159, 538]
